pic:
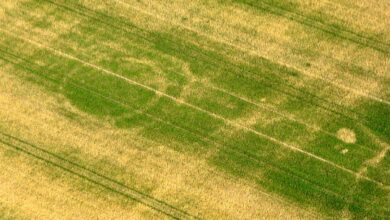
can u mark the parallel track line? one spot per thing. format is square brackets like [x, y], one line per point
[183, 102]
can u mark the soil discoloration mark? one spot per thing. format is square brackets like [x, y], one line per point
[346, 135]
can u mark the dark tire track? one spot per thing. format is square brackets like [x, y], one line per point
[124, 26]
[322, 26]
[187, 128]
[297, 174]
[93, 176]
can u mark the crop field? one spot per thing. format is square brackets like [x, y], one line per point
[202, 109]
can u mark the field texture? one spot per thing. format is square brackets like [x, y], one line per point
[201, 109]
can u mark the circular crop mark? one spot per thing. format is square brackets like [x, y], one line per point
[346, 135]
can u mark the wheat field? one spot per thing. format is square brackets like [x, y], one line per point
[203, 109]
